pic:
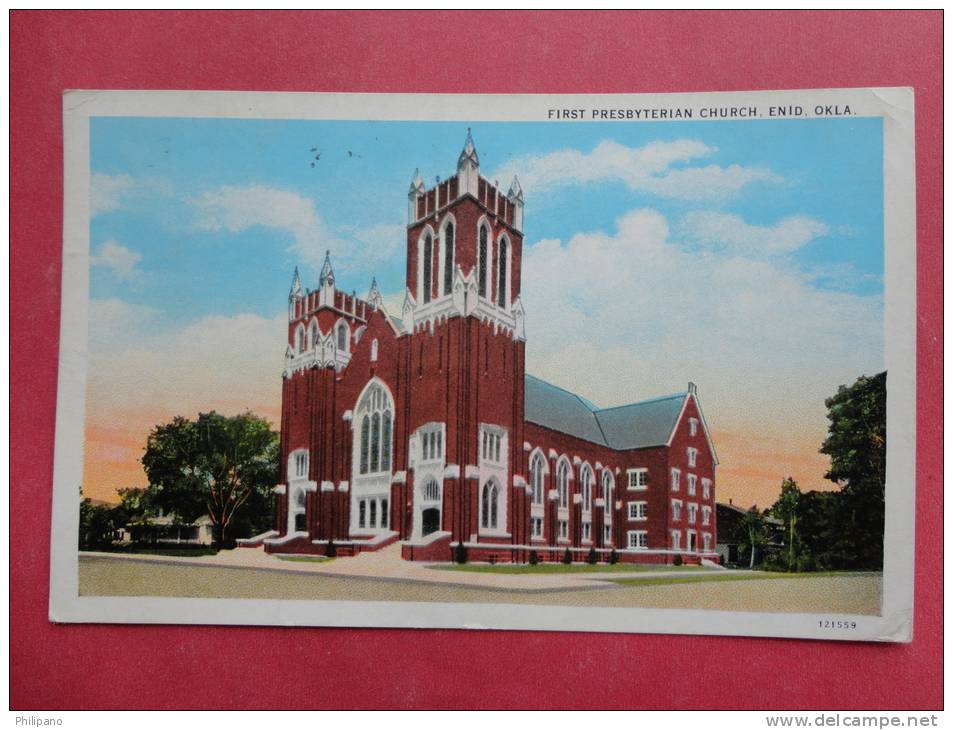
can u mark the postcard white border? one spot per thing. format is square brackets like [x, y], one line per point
[894, 105]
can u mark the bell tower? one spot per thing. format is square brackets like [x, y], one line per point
[465, 240]
[464, 317]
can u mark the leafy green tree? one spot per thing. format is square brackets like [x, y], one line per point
[214, 465]
[751, 534]
[786, 509]
[857, 445]
[97, 525]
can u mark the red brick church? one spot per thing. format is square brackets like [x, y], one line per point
[427, 430]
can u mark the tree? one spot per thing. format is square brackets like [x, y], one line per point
[857, 445]
[215, 465]
[97, 525]
[786, 509]
[752, 533]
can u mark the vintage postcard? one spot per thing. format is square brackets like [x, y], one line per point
[585, 363]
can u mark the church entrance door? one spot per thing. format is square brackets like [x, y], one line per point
[430, 520]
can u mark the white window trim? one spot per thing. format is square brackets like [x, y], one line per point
[675, 478]
[637, 488]
[628, 540]
[636, 505]
[691, 480]
[677, 502]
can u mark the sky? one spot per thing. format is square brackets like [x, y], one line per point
[745, 256]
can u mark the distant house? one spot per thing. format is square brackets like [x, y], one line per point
[729, 517]
[167, 529]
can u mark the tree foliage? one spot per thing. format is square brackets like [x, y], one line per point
[843, 529]
[220, 466]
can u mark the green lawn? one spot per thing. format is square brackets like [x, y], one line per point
[305, 558]
[549, 568]
[722, 576]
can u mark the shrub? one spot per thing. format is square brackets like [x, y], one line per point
[613, 557]
[567, 557]
[460, 553]
[677, 560]
[592, 558]
[332, 551]
[533, 558]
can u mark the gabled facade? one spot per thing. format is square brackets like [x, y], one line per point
[425, 429]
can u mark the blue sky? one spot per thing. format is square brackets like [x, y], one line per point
[744, 256]
[828, 169]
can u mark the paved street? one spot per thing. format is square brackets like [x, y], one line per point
[384, 577]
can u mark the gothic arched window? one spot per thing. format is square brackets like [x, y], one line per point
[448, 259]
[489, 509]
[342, 337]
[536, 469]
[375, 413]
[483, 254]
[501, 286]
[607, 489]
[314, 334]
[302, 339]
[428, 263]
[562, 484]
[586, 488]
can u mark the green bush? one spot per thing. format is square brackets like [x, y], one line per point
[460, 553]
[677, 560]
[533, 558]
[613, 557]
[592, 558]
[332, 551]
[567, 557]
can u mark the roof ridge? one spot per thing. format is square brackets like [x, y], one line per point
[589, 406]
[642, 402]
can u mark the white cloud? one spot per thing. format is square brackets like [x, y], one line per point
[116, 257]
[235, 209]
[106, 191]
[114, 323]
[732, 233]
[225, 363]
[654, 168]
[631, 314]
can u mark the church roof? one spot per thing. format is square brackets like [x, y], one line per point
[634, 426]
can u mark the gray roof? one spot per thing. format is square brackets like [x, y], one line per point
[634, 426]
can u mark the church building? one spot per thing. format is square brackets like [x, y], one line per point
[425, 430]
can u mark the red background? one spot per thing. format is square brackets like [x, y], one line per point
[79, 666]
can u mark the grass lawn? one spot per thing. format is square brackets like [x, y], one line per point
[549, 568]
[720, 576]
[304, 558]
[188, 552]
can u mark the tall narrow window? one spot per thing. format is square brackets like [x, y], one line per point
[488, 506]
[302, 340]
[375, 441]
[314, 334]
[428, 263]
[483, 257]
[586, 489]
[536, 479]
[562, 484]
[365, 434]
[342, 337]
[385, 442]
[501, 286]
[448, 258]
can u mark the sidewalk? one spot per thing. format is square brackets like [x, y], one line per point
[387, 564]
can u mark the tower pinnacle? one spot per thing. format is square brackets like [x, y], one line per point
[468, 154]
[327, 273]
[295, 285]
[374, 295]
